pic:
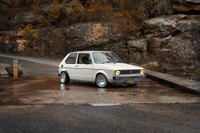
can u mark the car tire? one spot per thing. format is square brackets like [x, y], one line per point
[101, 80]
[64, 78]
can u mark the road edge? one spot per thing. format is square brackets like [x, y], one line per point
[180, 83]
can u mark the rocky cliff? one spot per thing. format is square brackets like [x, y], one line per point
[169, 40]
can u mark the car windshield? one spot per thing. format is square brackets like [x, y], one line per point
[105, 57]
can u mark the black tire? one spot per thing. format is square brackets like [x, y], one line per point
[64, 78]
[101, 80]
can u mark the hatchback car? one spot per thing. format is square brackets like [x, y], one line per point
[99, 67]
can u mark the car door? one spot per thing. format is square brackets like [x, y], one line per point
[70, 65]
[84, 67]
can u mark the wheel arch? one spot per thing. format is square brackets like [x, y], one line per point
[100, 72]
[65, 72]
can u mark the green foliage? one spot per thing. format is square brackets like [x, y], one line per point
[28, 33]
[126, 14]
[54, 13]
[47, 17]
[98, 11]
[75, 12]
[38, 12]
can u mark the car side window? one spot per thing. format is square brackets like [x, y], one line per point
[84, 58]
[71, 59]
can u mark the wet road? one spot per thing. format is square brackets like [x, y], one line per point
[41, 89]
[37, 102]
[40, 85]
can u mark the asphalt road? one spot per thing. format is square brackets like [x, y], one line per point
[131, 118]
[37, 102]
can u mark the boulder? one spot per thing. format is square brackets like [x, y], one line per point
[169, 25]
[188, 23]
[139, 44]
[160, 7]
[137, 50]
[184, 49]
[154, 66]
[174, 40]
[9, 69]
[157, 8]
[161, 26]
[26, 17]
[186, 5]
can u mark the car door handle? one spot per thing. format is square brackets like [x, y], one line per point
[76, 65]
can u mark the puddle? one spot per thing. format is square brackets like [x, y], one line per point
[48, 90]
[63, 87]
[4, 78]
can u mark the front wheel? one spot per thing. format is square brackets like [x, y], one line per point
[101, 81]
[64, 78]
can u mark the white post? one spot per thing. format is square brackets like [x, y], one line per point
[15, 69]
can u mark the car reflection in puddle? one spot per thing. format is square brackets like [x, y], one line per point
[63, 87]
[46, 90]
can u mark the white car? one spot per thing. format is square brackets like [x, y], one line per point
[99, 67]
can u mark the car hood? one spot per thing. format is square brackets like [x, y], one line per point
[117, 66]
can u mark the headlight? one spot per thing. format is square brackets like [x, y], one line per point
[142, 71]
[117, 73]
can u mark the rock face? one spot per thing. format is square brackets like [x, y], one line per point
[51, 42]
[174, 39]
[169, 39]
[137, 50]
[96, 36]
[169, 7]
[26, 17]
[186, 5]
[82, 36]
[160, 7]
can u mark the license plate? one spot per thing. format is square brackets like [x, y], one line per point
[129, 81]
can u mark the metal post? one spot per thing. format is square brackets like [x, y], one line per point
[15, 69]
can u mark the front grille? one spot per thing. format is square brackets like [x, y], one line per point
[130, 71]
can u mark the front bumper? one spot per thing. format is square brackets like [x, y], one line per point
[127, 79]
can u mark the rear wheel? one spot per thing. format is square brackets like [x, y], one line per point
[101, 80]
[64, 78]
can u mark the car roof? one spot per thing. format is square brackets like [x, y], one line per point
[89, 51]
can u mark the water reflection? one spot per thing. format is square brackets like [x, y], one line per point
[101, 90]
[63, 87]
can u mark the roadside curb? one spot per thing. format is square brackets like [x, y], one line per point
[174, 81]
